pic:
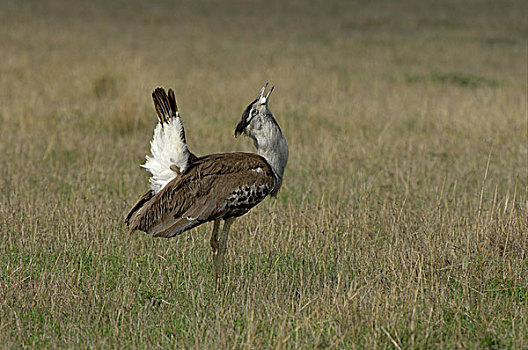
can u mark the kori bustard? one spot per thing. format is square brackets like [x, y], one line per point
[187, 191]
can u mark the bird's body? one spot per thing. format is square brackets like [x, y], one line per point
[187, 191]
[217, 186]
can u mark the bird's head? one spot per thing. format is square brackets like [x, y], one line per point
[256, 116]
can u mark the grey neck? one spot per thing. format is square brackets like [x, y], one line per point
[272, 146]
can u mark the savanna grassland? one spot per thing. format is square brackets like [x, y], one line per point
[402, 222]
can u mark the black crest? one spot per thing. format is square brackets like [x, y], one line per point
[244, 121]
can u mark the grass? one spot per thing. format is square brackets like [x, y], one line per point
[453, 78]
[402, 222]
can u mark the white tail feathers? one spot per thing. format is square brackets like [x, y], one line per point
[169, 153]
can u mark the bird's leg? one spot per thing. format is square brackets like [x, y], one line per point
[214, 237]
[218, 257]
[215, 245]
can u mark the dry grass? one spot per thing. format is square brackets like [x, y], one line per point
[403, 219]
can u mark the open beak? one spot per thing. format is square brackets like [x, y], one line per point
[245, 116]
[259, 97]
[264, 100]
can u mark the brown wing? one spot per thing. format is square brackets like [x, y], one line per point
[215, 186]
[138, 205]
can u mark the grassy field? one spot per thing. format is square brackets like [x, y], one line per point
[403, 219]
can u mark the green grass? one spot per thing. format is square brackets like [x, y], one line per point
[402, 222]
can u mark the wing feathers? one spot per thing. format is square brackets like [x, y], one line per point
[137, 206]
[215, 186]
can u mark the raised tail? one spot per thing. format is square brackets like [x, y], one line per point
[170, 154]
[167, 109]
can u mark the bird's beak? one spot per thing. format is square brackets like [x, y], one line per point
[259, 97]
[244, 122]
[265, 99]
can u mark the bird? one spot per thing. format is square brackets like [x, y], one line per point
[187, 191]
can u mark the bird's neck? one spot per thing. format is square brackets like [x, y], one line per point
[272, 146]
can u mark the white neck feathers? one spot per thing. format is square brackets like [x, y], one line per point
[272, 146]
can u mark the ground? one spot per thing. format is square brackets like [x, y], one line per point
[402, 221]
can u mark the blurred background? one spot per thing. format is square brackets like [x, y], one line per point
[406, 189]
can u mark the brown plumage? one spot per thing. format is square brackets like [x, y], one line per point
[187, 191]
[217, 186]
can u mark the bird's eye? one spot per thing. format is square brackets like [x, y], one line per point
[254, 113]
